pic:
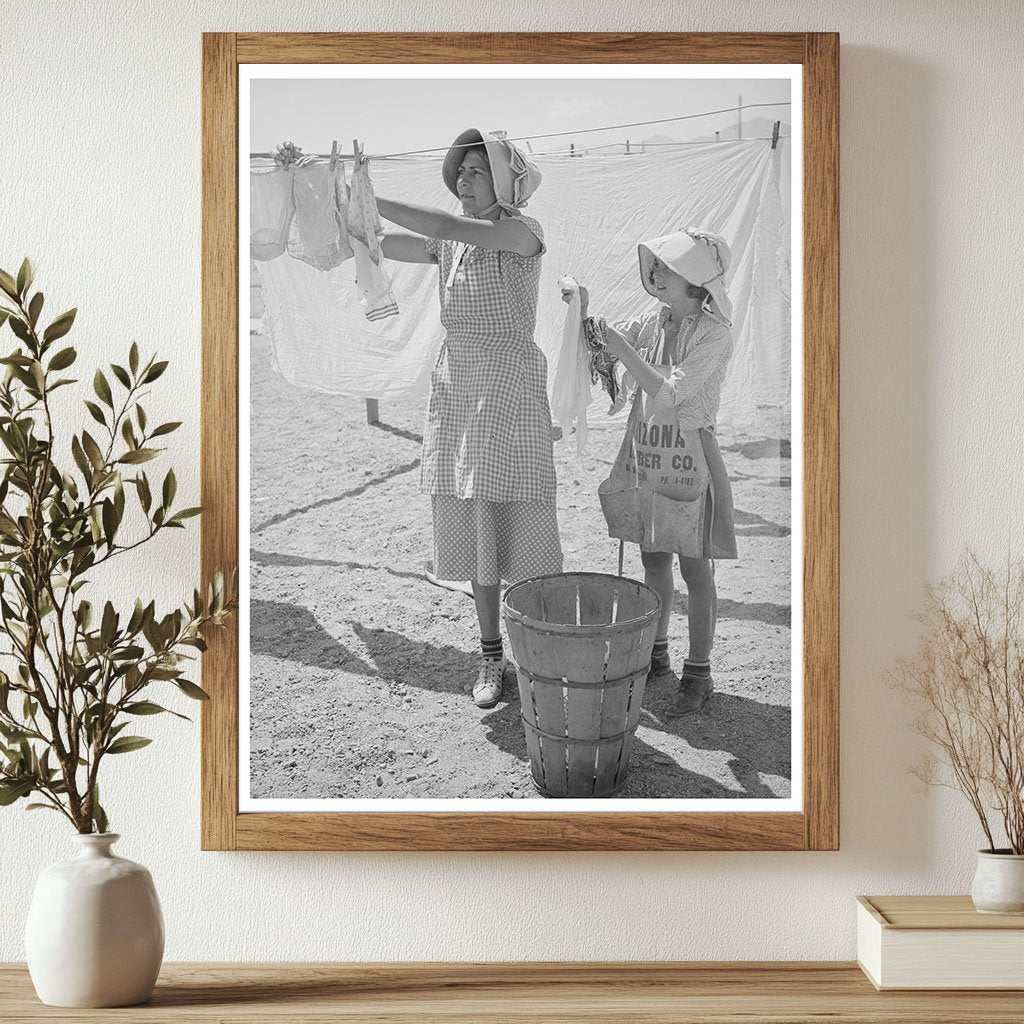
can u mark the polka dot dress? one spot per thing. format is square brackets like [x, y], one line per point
[490, 541]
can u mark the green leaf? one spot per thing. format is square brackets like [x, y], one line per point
[102, 388]
[99, 817]
[35, 308]
[121, 374]
[126, 744]
[128, 433]
[26, 274]
[108, 627]
[109, 521]
[96, 412]
[80, 459]
[185, 513]
[42, 807]
[154, 371]
[191, 690]
[63, 359]
[8, 285]
[83, 613]
[139, 455]
[92, 449]
[170, 488]
[14, 790]
[20, 329]
[165, 428]
[145, 498]
[4, 314]
[133, 358]
[60, 326]
[140, 415]
[144, 707]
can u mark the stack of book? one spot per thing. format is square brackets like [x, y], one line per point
[938, 942]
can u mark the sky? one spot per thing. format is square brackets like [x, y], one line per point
[398, 115]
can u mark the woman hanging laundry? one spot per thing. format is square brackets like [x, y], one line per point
[487, 445]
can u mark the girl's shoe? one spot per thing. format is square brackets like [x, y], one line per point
[487, 689]
[693, 692]
[660, 666]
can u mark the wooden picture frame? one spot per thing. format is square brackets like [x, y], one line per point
[816, 826]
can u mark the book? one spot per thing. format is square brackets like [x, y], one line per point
[938, 942]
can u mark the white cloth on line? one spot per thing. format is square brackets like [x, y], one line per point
[571, 385]
[319, 234]
[270, 211]
[594, 210]
[364, 233]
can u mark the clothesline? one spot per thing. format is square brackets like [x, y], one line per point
[576, 131]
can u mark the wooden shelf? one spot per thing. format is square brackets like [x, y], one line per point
[524, 993]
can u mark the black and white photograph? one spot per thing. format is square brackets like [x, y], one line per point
[520, 437]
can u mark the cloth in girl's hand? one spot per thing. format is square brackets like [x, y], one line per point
[570, 386]
[364, 235]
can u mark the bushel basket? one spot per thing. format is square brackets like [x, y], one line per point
[582, 645]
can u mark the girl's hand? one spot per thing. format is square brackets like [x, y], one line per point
[614, 344]
[584, 298]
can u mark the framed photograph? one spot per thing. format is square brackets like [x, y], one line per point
[520, 418]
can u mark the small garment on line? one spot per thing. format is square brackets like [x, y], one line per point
[270, 211]
[319, 234]
[364, 234]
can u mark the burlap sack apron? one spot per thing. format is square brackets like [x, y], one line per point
[658, 494]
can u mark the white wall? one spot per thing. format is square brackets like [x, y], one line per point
[99, 105]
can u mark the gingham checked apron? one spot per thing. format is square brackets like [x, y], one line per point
[488, 430]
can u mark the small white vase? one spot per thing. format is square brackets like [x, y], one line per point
[95, 934]
[999, 883]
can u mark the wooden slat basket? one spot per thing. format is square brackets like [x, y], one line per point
[582, 647]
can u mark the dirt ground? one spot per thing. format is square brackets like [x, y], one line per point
[358, 662]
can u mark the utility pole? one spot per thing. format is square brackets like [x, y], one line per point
[739, 117]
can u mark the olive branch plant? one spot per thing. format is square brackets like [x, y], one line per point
[966, 681]
[80, 675]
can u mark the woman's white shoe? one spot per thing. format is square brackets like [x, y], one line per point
[487, 689]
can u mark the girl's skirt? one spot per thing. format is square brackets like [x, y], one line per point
[491, 541]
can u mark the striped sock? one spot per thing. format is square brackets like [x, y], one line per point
[660, 649]
[492, 649]
[697, 669]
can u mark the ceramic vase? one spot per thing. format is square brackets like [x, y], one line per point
[999, 882]
[95, 933]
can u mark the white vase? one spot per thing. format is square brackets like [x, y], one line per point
[999, 883]
[95, 934]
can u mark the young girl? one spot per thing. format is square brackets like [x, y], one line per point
[669, 490]
[487, 445]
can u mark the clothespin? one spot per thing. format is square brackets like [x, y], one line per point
[334, 154]
[357, 151]
[775, 133]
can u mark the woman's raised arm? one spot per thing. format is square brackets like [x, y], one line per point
[508, 235]
[397, 245]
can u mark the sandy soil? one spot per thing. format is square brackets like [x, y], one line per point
[358, 663]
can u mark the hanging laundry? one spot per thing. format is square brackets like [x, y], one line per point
[570, 386]
[364, 232]
[319, 234]
[270, 211]
[594, 210]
